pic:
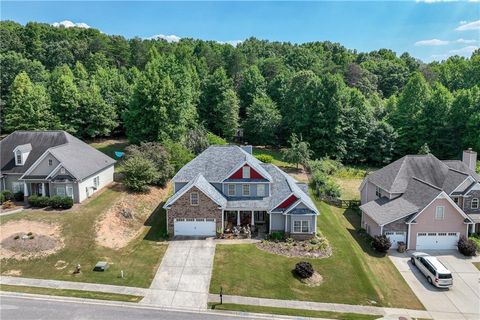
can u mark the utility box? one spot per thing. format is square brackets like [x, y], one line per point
[101, 266]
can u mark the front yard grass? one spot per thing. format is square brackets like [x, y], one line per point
[352, 275]
[139, 259]
[292, 312]
[72, 293]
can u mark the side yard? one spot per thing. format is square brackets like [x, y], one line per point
[76, 229]
[352, 275]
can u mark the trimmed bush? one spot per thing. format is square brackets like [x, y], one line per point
[277, 235]
[7, 195]
[59, 202]
[467, 247]
[381, 243]
[215, 140]
[18, 196]
[265, 158]
[304, 269]
[138, 173]
[38, 202]
[2, 198]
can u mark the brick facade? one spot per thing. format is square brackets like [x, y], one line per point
[206, 208]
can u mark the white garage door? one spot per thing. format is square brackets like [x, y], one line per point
[194, 227]
[437, 240]
[395, 237]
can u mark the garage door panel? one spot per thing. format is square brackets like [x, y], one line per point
[437, 240]
[195, 227]
[395, 237]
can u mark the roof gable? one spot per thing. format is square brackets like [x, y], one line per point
[239, 173]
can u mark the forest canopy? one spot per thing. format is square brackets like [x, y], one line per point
[355, 107]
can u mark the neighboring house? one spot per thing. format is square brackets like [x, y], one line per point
[423, 201]
[225, 186]
[48, 163]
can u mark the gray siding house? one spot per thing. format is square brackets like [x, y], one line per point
[48, 163]
[225, 186]
[423, 201]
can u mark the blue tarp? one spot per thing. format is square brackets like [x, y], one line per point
[119, 154]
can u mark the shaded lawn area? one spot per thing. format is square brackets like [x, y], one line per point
[352, 275]
[72, 293]
[110, 146]
[276, 155]
[139, 259]
[477, 264]
[292, 312]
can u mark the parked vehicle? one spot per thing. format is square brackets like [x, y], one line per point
[437, 274]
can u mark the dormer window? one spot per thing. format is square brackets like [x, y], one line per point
[246, 173]
[50, 162]
[18, 158]
[475, 203]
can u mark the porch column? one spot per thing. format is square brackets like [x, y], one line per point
[25, 189]
[253, 218]
[286, 223]
[238, 218]
[43, 189]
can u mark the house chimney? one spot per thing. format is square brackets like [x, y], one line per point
[470, 159]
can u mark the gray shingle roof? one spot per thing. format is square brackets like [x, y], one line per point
[78, 157]
[216, 162]
[203, 185]
[417, 195]
[24, 147]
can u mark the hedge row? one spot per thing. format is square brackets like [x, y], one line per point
[56, 202]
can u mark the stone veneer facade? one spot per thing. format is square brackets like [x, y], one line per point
[206, 208]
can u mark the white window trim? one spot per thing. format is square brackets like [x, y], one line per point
[234, 189]
[243, 189]
[477, 201]
[301, 226]
[443, 213]
[96, 181]
[246, 172]
[378, 191]
[18, 153]
[67, 188]
[261, 187]
[191, 198]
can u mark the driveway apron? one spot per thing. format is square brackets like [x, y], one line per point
[183, 278]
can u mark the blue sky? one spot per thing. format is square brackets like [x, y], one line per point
[429, 31]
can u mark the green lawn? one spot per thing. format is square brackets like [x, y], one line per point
[139, 259]
[72, 293]
[292, 312]
[110, 146]
[353, 275]
[276, 155]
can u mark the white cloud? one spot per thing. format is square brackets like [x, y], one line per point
[231, 42]
[70, 24]
[475, 25]
[465, 51]
[465, 41]
[463, 22]
[432, 42]
[168, 38]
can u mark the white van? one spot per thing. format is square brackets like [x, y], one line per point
[436, 273]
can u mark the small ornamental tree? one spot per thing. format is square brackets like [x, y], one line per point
[298, 153]
[467, 247]
[304, 270]
[381, 243]
[139, 173]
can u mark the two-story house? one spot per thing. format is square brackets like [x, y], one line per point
[423, 201]
[48, 163]
[225, 186]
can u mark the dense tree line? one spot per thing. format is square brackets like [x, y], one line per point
[355, 107]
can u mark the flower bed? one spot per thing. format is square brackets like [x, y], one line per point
[315, 248]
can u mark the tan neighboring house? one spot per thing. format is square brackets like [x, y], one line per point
[225, 187]
[48, 163]
[423, 201]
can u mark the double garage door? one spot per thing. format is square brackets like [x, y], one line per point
[437, 240]
[194, 227]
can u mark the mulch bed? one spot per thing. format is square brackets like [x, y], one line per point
[297, 249]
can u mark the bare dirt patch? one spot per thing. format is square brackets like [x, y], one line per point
[314, 281]
[24, 239]
[61, 264]
[125, 219]
[12, 272]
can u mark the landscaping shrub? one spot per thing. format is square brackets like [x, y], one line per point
[59, 202]
[304, 269]
[2, 198]
[277, 235]
[179, 155]
[325, 184]
[18, 196]
[381, 243]
[467, 247]
[38, 202]
[7, 195]
[265, 158]
[8, 204]
[214, 139]
[476, 238]
[325, 165]
[138, 173]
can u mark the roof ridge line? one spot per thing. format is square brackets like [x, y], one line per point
[427, 183]
[458, 171]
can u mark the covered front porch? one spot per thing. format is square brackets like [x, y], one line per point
[256, 220]
[47, 188]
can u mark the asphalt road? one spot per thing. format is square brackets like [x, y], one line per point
[26, 308]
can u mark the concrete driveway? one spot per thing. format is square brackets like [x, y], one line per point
[460, 302]
[183, 278]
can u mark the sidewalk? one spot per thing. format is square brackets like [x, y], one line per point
[319, 306]
[56, 284]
